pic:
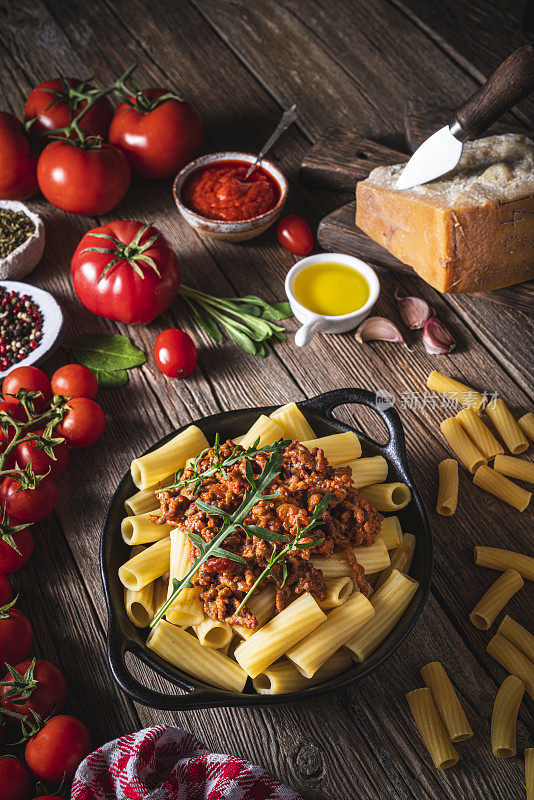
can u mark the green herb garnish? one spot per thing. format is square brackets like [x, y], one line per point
[108, 355]
[15, 228]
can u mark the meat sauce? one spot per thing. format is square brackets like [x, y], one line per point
[305, 477]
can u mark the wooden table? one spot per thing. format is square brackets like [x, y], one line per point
[356, 64]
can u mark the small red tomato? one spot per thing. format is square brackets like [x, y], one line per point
[13, 558]
[294, 234]
[28, 505]
[14, 779]
[40, 687]
[54, 104]
[16, 411]
[175, 353]
[31, 378]
[42, 464]
[6, 592]
[18, 179]
[83, 424]
[15, 635]
[54, 754]
[74, 380]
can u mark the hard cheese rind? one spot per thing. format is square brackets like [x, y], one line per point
[471, 230]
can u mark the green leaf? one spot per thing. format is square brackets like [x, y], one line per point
[214, 511]
[244, 341]
[282, 310]
[265, 533]
[105, 352]
[111, 379]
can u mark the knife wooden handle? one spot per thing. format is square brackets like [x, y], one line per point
[509, 84]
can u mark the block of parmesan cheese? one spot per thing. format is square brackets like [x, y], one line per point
[469, 230]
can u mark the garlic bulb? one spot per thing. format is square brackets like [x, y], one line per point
[437, 338]
[379, 328]
[414, 311]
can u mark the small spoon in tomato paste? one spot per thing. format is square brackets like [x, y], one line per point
[288, 117]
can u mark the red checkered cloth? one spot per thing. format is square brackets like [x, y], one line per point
[165, 763]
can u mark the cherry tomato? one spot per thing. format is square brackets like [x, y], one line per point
[6, 592]
[18, 179]
[31, 378]
[47, 696]
[74, 380]
[122, 293]
[294, 234]
[83, 180]
[175, 353]
[28, 505]
[157, 136]
[10, 559]
[42, 464]
[15, 635]
[14, 779]
[83, 425]
[54, 104]
[54, 754]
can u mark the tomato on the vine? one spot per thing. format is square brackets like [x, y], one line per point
[54, 754]
[42, 463]
[30, 504]
[16, 547]
[38, 686]
[133, 280]
[74, 380]
[90, 179]
[54, 104]
[17, 412]
[18, 178]
[15, 634]
[295, 235]
[83, 424]
[175, 353]
[6, 592]
[31, 378]
[158, 132]
[14, 779]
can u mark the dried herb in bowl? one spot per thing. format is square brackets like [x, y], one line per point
[15, 228]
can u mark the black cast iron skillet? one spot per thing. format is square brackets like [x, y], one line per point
[123, 636]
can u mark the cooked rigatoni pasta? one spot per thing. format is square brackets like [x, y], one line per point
[479, 433]
[366, 471]
[497, 558]
[139, 605]
[293, 423]
[282, 677]
[504, 717]
[446, 700]
[390, 602]
[447, 487]
[499, 486]
[431, 728]
[262, 606]
[340, 625]
[507, 427]
[516, 468]
[529, 772]
[460, 392]
[153, 467]
[373, 558]
[388, 496]
[390, 532]
[274, 639]
[264, 431]
[146, 566]
[160, 594]
[141, 530]
[401, 559]
[337, 591]
[518, 635]
[339, 448]
[493, 601]
[461, 445]
[185, 651]
[187, 608]
[212, 633]
[526, 423]
[513, 660]
[141, 502]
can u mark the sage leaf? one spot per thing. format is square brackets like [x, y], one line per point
[105, 352]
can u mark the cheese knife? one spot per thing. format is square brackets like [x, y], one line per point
[511, 82]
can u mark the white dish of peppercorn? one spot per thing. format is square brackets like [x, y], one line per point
[31, 322]
[22, 239]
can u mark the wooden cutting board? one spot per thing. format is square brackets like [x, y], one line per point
[340, 158]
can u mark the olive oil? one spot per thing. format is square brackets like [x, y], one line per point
[331, 289]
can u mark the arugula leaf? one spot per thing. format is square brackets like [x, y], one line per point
[105, 352]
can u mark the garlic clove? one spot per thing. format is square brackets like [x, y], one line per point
[379, 328]
[414, 311]
[437, 338]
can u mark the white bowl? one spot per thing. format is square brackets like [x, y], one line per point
[314, 323]
[28, 254]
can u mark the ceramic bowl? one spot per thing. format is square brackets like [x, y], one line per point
[27, 255]
[314, 323]
[238, 230]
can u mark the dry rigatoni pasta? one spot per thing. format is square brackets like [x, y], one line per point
[262, 606]
[504, 717]
[447, 487]
[146, 566]
[141, 529]
[461, 445]
[446, 700]
[431, 729]
[264, 431]
[401, 559]
[479, 433]
[387, 496]
[513, 660]
[139, 605]
[498, 558]
[366, 471]
[293, 423]
[499, 486]
[516, 468]
[141, 502]
[507, 427]
[337, 591]
[493, 601]
[187, 608]
[526, 423]
[212, 633]
[339, 448]
[153, 467]
[460, 392]
[518, 635]
[282, 677]
[373, 558]
[390, 532]
[529, 772]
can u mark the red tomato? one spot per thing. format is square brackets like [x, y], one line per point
[17, 412]
[83, 425]
[6, 592]
[82, 180]
[18, 179]
[43, 686]
[14, 779]
[31, 378]
[15, 635]
[54, 104]
[158, 137]
[121, 293]
[74, 380]
[294, 234]
[175, 353]
[54, 754]
[28, 505]
[10, 559]
[41, 461]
